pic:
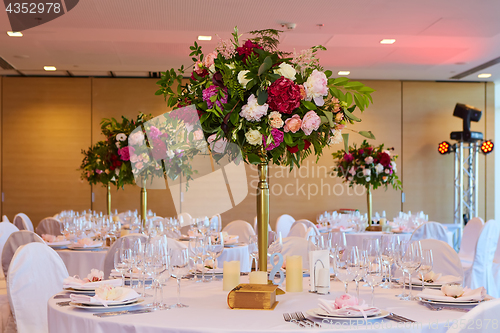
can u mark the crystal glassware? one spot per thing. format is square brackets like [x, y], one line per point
[410, 257]
[426, 266]
[179, 261]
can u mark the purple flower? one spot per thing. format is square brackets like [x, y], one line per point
[154, 132]
[125, 153]
[348, 157]
[211, 91]
[278, 139]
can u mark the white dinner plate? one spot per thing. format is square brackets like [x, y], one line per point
[100, 307]
[235, 245]
[317, 313]
[464, 303]
[321, 312]
[80, 291]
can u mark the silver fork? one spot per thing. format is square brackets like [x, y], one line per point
[300, 316]
[289, 319]
[401, 318]
[439, 308]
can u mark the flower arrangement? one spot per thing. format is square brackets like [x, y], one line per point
[274, 106]
[367, 166]
[97, 165]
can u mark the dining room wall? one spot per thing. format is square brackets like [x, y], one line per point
[46, 122]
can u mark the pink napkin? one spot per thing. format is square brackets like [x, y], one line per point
[349, 310]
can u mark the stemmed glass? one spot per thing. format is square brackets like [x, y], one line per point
[193, 255]
[254, 250]
[426, 266]
[374, 272]
[215, 246]
[138, 263]
[388, 254]
[121, 261]
[410, 257]
[179, 261]
[358, 266]
[154, 264]
[342, 261]
[202, 254]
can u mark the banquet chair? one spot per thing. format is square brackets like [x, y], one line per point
[216, 219]
[240, 228]
[284, 224]
[35, 275]
[185, 221]
[49, 226]
[127, 240]
[480, 273]
[308, 224]
[15, 240]
[298, 230]
[445, 259]
[5, 218]
[23, 222]
[293, 246]
[6, 229]
[481, 315]
[432, 230]
[471, 233]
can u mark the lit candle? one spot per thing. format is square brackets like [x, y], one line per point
[230, 275]
[294, 273]
[258, 277]
[382, 221]
[323, 281]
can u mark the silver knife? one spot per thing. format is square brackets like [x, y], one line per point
[452, 308]
[117, 313]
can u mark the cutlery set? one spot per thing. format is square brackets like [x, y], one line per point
[439, 308]
[299, 319]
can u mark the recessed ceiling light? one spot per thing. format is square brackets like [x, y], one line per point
[49, 68]
[204, 37]
[484, 75]
[15, 33]
[388, 41]
[344, 73]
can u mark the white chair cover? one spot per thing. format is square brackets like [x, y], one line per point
[15, 240]
[49, 226]
[216, 218]
[471, 233]
[293, 246]
[432, 230]
[5, 218]
[446, 260]
[109, 260]
[476, 319]
[185, 221]
[310, 227]
[240, 228]
[255, 225]
[23, 222]
[284, 224]
[481, 271]
[299, 230]
[6, 229]
[35, 275]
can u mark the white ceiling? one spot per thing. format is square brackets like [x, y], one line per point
[436, 39]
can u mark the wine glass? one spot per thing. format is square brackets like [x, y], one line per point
[342, 261]
[155, 264]
[121, 258]
[358, 266]
[193, 255]
[388, 251]
[410, 257]
[137, 262]
[179, 261]
[215, 246]
[374, 272]
[254, 250]
[202, 254]
[426, 266]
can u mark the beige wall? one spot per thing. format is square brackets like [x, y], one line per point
[47, 121]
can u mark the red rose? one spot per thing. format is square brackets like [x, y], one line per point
[384, 159]
[283, 95]
[247, 49]
[159, 150]
[202, 74]
[369, 150]
[295, 149]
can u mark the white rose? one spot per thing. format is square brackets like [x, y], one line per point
[379, 168]
[387, 171]
[454, 291]
[367, 172]
[369, 160]
[254, 137]
[368, 178]
[170, 154]
[242, 79]
[431, 277]
[117, 171]
[393, 164]
[286, 71]
[117, 144]
[121, 137]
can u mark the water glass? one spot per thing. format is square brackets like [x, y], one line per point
[179, 261]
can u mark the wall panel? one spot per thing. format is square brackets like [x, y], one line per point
[46, 123]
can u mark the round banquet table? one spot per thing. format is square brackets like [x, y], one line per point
[208, 312]
[81, 262]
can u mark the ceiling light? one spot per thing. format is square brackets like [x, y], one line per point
[15, 33]
[388, 41]
[204, 37]
[484, 75]
[49, 68]
[344, 73]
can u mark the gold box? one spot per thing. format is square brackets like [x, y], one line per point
[374, 228]
[254, 296]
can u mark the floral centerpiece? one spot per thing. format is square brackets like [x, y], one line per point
[97, 165]
[368, 166]
[272, 105]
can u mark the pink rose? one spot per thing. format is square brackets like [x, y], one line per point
[310, 122]
[138, 165]
[98, 171]
[293, 124]
[209, 59]
[125, 153]
[198, 68]
[316, 87]
[218, 146]
[198, 135]
[345, 301]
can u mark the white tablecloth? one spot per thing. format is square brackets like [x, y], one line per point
[81, 262]
[208, 312]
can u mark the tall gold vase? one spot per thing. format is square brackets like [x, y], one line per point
[263, 214]
[369, 205]
[144, 203]
[108, 200]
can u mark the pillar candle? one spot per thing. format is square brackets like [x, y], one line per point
[323, 281]
[258, 277]
[382, 221]
[294, 273]
[230, 275]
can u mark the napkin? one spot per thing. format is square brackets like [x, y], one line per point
[469, 295]
[53, 239]
[124, 295]
[443, 279]
[74, 282]
[350, 310]
[86, 242]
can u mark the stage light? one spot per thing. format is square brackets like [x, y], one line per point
[444, 148]
[467, 113]
[487, 147]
